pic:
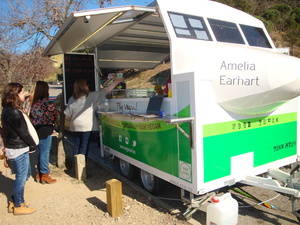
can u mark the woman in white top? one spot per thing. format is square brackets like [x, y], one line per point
[80, 112]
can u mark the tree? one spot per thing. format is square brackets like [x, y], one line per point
[25, 68]
[5, 64]
[35, 22]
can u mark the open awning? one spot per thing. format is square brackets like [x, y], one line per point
[126, 37]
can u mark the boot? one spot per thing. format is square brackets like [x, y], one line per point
[10, 207]
[22, 210]
[45, 178]
[37, 177]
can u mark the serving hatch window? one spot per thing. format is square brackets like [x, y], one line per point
[226, 31]
[255, 36]
[187, 26]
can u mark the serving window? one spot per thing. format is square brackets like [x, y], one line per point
[187, 26]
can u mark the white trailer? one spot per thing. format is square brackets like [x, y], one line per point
[233, 112]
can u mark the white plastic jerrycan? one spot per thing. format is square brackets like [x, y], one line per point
[223, 210]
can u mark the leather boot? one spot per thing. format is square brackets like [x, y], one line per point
[46, 179]
[22, 210]
[37, 177]
[10, 207]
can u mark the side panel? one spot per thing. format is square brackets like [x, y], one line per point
[268, 139]
[149, 144]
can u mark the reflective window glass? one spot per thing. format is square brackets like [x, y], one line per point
[226, 31]
[178, 20]
[201, 35]
[255, 36]
[196, 23]
[188, 26]
[183, 31]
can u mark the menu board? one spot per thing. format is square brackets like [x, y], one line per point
[78, 66]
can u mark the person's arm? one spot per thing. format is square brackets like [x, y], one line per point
[18, 123]
[113, 85]
[68, 110]
[51, 111]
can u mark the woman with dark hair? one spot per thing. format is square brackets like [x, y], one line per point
[81, 113]
[19, 139]
[43, 115]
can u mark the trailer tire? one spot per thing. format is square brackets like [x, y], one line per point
[126, 169]
[150, 182]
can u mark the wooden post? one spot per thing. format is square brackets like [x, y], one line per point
[61, 157]
[80, 169]
[114, 198]
[61, 154]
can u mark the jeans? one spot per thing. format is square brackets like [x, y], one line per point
[80, 142]
[44, 148]
[21, 167]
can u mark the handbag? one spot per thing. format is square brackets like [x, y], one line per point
[31, 129]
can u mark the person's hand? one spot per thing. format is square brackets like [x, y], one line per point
[55, 134]
[119, 79]
[32, 149]
[28, 97]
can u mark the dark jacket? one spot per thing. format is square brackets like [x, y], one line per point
[15, 131]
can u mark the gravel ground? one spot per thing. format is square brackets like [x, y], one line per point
[72, 202]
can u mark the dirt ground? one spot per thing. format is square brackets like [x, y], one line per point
[72, 202]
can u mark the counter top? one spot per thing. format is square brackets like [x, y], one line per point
[148, 117]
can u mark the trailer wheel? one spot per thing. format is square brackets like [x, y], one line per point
[150, 182]
[127, 170]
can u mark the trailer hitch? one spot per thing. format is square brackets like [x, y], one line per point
[282, 182]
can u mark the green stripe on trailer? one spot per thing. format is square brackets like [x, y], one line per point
[247, 124]
[153, 142]
[270, 138]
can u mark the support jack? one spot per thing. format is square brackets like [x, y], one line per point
[193, 202]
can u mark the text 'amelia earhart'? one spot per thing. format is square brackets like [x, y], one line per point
[236, 80]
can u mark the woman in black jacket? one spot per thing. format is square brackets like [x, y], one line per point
[18, 142]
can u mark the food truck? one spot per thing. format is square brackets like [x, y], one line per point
[233, 111]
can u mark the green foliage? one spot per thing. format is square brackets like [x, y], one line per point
[243, 5]
[296, 15]
[283, 8]
[272, 15]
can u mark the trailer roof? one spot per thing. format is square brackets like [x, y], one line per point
[81, 30]
[134, 36]
[117, 29]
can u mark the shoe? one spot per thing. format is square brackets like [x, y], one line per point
[46, 179]
[22, 210]
[37, 177]
[11, 205]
